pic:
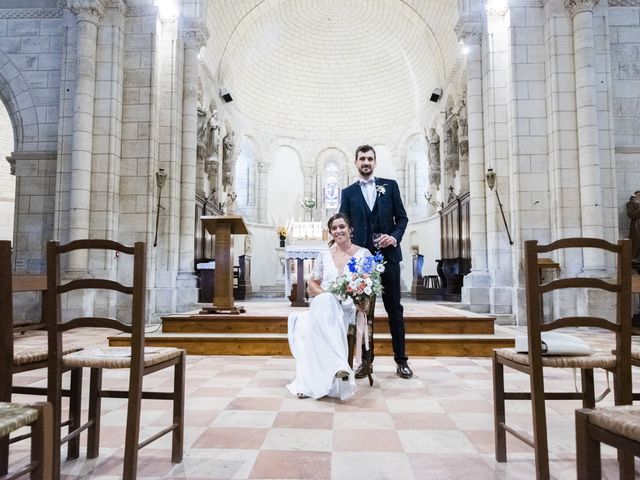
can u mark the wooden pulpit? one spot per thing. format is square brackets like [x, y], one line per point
[223, 227]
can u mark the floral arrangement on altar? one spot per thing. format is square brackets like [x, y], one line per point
[362, 281]
[307, 203]
[282, 232]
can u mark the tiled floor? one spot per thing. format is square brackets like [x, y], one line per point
[242, 423]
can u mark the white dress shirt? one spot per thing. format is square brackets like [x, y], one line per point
[369, 191]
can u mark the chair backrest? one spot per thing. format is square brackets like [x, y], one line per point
[6, 322]
[10, 284]
[621, 287]
[56, 288]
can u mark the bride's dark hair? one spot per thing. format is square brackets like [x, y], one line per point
[335, 217]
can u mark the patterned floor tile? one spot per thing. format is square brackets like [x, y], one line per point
[241, 423]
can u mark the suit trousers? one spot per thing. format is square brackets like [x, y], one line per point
[394, 309]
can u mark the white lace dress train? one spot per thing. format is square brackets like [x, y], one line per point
[318, 340]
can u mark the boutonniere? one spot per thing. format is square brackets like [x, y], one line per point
[381, 189]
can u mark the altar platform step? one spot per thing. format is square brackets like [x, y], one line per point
[431, 330]
[254, 322]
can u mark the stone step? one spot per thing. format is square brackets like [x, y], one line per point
[432, 330]
[478, 345]
[277, 324]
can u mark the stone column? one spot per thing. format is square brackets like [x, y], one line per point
[476, 284]
[587, 120]
[263, 173]
[88, 14]
[193, 37]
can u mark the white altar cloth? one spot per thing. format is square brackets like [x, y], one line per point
[299, 252]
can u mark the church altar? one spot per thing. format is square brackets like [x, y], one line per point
[300, 253]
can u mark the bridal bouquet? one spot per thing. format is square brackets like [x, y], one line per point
[360, 283]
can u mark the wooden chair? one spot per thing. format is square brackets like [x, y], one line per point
[139, 360]
[533, 362]
[617, 426]
[14, 416]
[351, 334]
[25, 357]
[39, 418]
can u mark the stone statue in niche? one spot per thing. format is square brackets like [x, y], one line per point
[451, 129]
[633, 211]
[451, 159]
[462, 120]
[228, 159]
[207, 137]
[433, 140]
[208, 132]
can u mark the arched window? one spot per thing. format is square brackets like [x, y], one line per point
[331, 187]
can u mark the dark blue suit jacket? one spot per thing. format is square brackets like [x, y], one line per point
[388, 216]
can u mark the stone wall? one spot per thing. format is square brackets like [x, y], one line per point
[624, 28]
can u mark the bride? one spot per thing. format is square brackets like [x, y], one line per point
[318, 337]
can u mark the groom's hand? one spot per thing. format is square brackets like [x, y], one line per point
[386, 241]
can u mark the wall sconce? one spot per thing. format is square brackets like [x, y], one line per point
[491, 178]
[161, 179]
[433, 203]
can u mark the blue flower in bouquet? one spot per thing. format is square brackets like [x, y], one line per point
[362, 281]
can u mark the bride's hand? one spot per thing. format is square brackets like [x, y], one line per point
[362, 306]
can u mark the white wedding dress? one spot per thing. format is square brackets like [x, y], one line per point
[318, 338]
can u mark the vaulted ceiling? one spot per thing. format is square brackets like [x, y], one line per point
[331, 68]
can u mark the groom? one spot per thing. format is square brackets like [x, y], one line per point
[374, 206]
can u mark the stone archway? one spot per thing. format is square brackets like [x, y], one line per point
[15, 94]
[33, 161]
[7, 181]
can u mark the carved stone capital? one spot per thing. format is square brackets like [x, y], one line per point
[31, 160]
[119, 4]
[194, 34]
[468, 29]
[12, 165]
[577, 6]
[87, 10]
[263, 167]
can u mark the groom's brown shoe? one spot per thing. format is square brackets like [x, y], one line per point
[364, 370]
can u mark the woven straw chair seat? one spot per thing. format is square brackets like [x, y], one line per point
[598, 359]
[623, 420]
[14, 416]
[28, 354]
[117, 357]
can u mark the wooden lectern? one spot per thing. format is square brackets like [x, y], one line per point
[223, 227]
